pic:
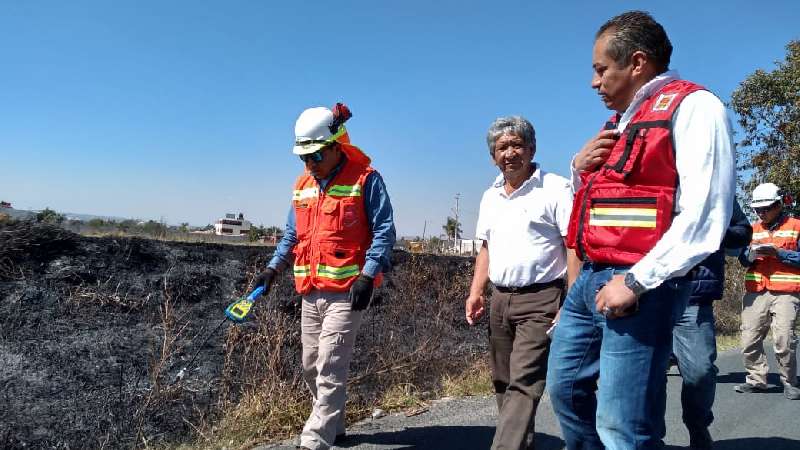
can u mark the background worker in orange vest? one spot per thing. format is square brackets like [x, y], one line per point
[340, 230]
[773, 293]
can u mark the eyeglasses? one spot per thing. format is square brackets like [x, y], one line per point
[315, 157]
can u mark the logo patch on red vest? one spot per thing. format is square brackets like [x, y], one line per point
[663, 102]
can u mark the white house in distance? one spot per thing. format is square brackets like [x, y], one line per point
[232, 226]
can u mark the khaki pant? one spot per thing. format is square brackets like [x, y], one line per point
[518, 350]
[760, 311]
[329, 331]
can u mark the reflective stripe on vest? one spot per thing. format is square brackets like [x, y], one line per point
[623, 217]
[784, 278]
[302, 194]
[786, 234]
[339, 190]
[302, 271]
[337, 273]
[751, 276]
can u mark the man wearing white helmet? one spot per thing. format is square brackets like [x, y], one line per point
[773, 293]
[339, 237]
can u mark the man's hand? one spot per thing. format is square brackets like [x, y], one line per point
[361, 292]
[265, 279]
[596, 151]
[764, 251]
[615, 296]
[475, 304]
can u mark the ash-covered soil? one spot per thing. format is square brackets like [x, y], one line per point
[93, 332]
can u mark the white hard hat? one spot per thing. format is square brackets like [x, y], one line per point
[312, 131]
[765, 194]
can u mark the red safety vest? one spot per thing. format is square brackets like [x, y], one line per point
[333, 231]
[769, 273]
[623, 208]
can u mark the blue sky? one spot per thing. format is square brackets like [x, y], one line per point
[185, 110]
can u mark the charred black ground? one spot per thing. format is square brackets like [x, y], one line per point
[93, 332]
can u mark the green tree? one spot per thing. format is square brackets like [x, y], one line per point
[768, 106]
[155, 229]
[47, 215]
[96, 222]
[256, 233]
[452, 228]
[184, 227]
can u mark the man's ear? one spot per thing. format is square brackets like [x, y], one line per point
[639, 62]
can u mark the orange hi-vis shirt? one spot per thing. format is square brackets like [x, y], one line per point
[769, 273]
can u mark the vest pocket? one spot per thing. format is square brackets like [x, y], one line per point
[634, 144]
[623, 224]
[329, 217]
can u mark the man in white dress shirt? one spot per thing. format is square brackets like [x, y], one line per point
[522, 221]
[654, 198]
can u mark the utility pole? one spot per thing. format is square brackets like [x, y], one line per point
[455, 228]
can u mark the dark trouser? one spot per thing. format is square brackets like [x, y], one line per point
[694, 345]
[518, 324]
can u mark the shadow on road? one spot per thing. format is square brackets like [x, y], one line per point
[771, 443]
[773, 380]
[455, 437]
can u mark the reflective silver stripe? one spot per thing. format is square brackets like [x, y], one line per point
[301, 194]
[784, 278]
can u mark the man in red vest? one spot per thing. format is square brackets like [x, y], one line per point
[772, 300]
[655, 193]
[339, 237]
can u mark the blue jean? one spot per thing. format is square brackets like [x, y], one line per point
[607, 378]
[694, 344]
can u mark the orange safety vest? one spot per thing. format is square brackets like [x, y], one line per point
[333, 231]
[769, 273]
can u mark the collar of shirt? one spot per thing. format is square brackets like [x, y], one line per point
[533, 180]
[644, 93]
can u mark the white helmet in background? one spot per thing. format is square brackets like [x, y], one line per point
[765, 194]
[318, 127]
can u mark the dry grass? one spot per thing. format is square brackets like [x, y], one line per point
[477, 380]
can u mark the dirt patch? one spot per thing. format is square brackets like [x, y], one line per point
[93, 332]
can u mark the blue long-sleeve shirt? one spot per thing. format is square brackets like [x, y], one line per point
[381, 222]
[788, 257]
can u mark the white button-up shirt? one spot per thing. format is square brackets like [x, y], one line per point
[705, 160]
[525, 230]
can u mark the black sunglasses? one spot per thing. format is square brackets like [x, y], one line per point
[763, 209]
[313, 157]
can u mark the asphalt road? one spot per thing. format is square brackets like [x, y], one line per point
[764, 421]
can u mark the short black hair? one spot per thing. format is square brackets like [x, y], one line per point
[637, 31]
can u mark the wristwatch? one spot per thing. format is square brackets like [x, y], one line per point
[633, 285]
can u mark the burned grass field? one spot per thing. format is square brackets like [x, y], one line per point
[94, 331]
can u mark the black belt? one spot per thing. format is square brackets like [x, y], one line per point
[558, 282]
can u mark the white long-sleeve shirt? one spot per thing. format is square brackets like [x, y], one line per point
[705, 160]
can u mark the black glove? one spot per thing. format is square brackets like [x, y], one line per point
[361, 293]
[265, 279]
